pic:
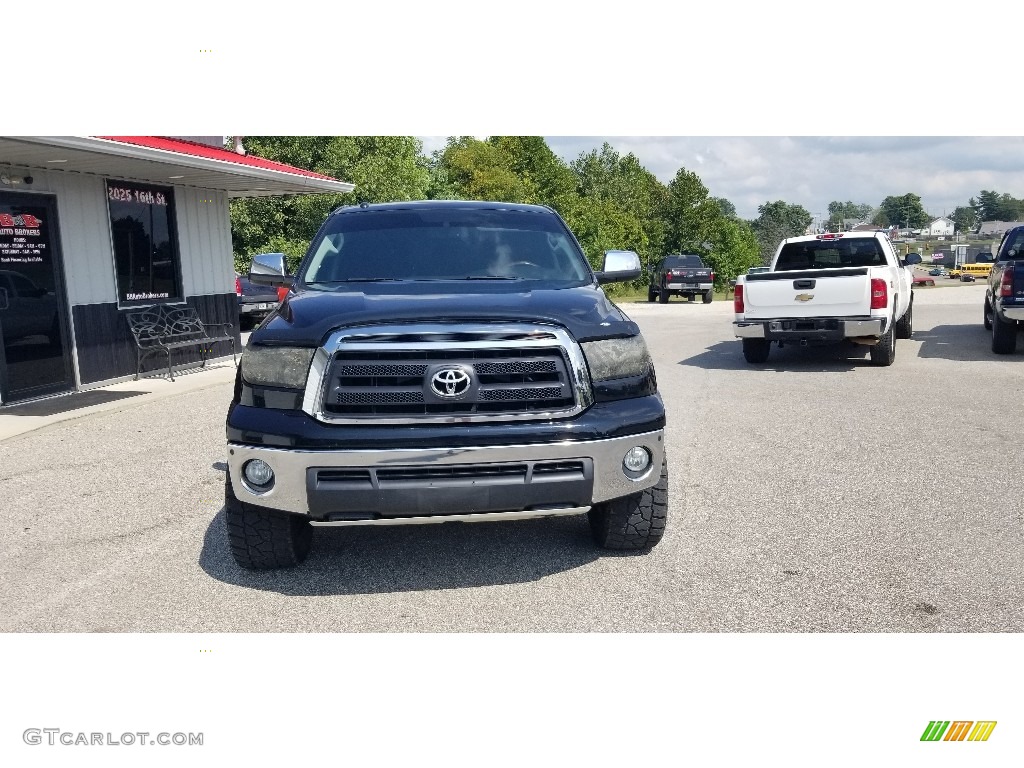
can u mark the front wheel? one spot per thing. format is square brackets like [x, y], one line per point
[663, 296]
[987, 316]
[756, 350]
[651, 294]
[884, 352]
[709, 296]
[261, 538]
[632, 522]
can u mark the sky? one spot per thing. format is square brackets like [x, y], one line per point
[812, 171]
[721, 93]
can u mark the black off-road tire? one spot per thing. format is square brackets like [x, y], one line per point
[987, 316]
[651, 294]
[1004, 336]
[663, 296]
[709, 296]
[884, 352]
[756, 350]
[905, 325]
[634, 522]
[261, 539]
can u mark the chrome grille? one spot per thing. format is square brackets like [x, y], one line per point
[404, 374]
[504, 380]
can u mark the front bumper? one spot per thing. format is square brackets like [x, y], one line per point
[811, 329]
[361, 487]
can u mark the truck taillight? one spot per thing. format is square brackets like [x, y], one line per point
[879, 293]
[712, 277]
[1006, 281]
[737, 300]
[238, 286]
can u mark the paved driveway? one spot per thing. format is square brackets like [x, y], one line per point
[814, 493]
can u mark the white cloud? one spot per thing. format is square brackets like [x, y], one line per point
[815, 170]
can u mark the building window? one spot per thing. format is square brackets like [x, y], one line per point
[145, 245]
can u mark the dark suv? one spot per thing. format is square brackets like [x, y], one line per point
[443, 361]
[684, 275]
[1004, 293]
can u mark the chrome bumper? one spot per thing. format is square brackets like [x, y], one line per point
[689, 286]
[1013, 313]
[289, 492]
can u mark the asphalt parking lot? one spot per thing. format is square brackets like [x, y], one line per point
[815, 493]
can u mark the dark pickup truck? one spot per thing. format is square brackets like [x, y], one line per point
[442, 361]
[684, 275]
[1004, 294]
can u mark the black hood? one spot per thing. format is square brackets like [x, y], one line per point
[308, 317]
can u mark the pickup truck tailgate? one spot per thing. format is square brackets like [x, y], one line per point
[809, 293]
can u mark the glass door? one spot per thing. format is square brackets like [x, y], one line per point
[35, 358]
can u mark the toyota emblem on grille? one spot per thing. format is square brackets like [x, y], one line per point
[450, 382]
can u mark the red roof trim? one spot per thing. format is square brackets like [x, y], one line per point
[213, 153]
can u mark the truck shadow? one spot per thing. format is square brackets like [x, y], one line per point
[962, 342]
[728, 356]
[368, 560]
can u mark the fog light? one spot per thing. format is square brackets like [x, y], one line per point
[637, 459]
[258, 473]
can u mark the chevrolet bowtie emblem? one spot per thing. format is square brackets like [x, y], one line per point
[804, 296]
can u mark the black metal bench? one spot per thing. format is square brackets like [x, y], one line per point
[163, 327]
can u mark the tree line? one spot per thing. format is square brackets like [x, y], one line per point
[609, 200]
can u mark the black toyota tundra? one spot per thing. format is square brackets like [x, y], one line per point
[443, 361]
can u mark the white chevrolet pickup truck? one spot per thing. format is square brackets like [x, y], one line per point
[828, 288]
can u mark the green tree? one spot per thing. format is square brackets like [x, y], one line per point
[530, 157]
[691, 214]
[775, 222]
[904, 210]
[965, 217]
[839, 212]
[733, 249]
[482, 170]
[620, 187]
[726, 208]
[1010, 208]
[988, 205]
[383, 168]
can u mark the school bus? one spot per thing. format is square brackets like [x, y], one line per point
[979, 270]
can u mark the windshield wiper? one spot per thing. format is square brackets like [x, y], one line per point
[357, 280]
[491, 277]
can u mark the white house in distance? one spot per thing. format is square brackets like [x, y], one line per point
[93, 226]
[940, 227]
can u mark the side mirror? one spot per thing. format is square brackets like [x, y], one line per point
[618, 267]
[912, 258]
[269, 269]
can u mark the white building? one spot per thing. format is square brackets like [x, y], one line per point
[92, 226]
[940, 227]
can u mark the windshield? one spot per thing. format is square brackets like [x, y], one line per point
[445, 244]
[830, 254]
[678, 262]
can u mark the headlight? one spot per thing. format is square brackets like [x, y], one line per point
[617, 358]
[277, 366]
